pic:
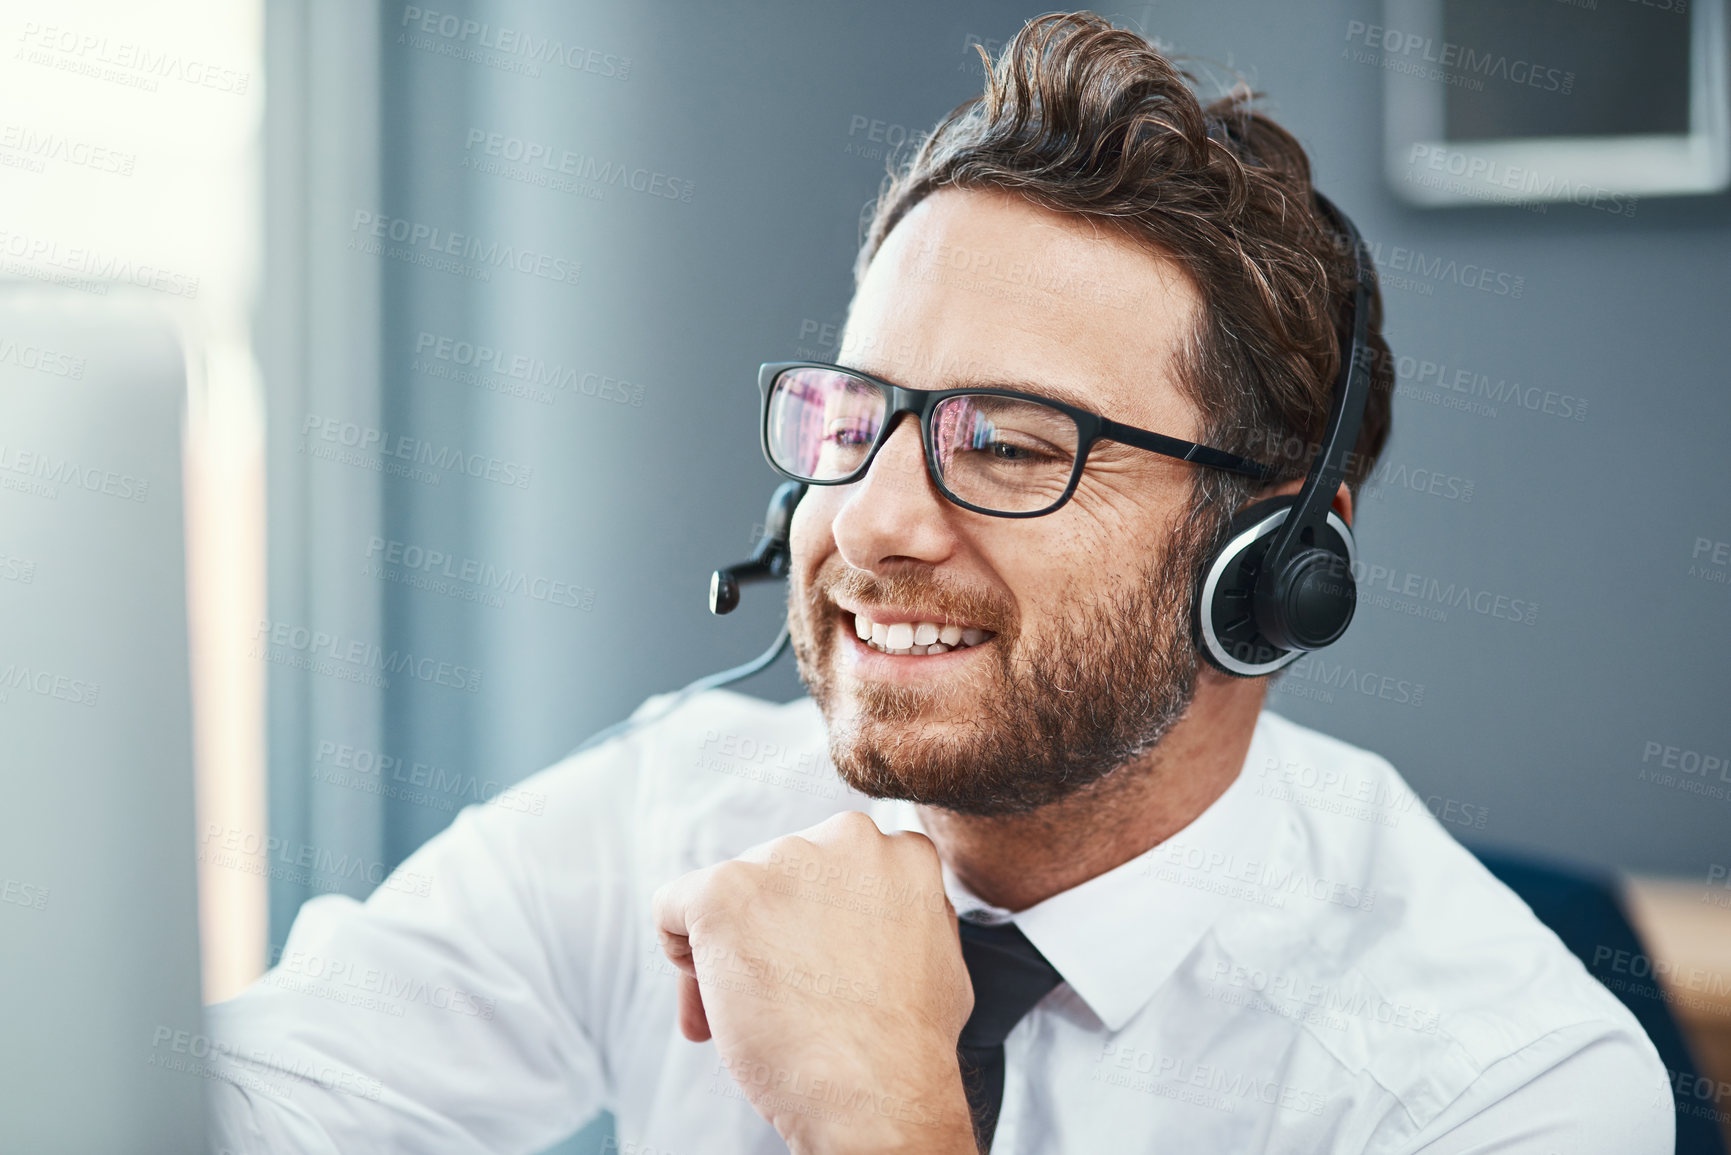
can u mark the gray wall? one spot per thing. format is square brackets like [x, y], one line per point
[1537, 730]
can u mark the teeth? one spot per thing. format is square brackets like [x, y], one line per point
[910, 638]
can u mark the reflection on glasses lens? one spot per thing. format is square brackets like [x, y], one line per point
[822, 423]
[1002, 454]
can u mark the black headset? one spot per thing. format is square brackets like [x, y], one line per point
[770, 558]
[1280, 586]
[1283, 583]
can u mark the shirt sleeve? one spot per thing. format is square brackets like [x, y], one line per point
[460, 1008]
[1557, 1096]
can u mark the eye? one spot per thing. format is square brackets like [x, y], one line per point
[1023, 449]
[849, 433]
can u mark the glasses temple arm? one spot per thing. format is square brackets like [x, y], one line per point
[1186, 450]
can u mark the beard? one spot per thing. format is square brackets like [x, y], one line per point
[1043, 719]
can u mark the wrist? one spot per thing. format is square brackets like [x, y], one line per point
[921, 1109]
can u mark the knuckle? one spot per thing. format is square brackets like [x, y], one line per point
[797, 843]
[792, 849]
[855, 823]
[730, 880]
[849, 831]
[916, 848]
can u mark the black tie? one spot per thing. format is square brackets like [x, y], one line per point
[1009, 977]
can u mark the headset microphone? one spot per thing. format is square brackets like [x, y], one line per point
[771, 556]
[1283, 583]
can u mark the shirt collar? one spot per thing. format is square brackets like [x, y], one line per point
[1117, 937]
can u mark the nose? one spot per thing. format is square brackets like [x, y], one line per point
[894, 514]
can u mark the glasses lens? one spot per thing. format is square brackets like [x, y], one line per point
[822, 422]
[1002, 453]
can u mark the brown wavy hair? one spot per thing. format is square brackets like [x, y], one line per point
[1080, 117]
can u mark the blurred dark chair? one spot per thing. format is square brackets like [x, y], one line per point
[1585, 912]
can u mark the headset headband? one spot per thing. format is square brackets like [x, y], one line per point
[1351, 388]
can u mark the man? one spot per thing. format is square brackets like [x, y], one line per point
[736, 927]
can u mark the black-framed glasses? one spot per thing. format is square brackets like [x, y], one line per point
[994, 451]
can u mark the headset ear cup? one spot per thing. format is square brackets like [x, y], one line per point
[1309, 604]
[1225, 624]
[1229, 623]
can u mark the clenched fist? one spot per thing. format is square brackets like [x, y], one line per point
[826, 966]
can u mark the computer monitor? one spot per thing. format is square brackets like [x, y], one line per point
[101, 1045]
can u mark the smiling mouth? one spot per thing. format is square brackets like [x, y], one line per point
[915, 638]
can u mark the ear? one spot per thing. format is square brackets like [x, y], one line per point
[1342, 497]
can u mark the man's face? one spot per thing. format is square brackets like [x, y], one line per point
[1086, 660]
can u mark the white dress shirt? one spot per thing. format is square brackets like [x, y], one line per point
[1312, 965]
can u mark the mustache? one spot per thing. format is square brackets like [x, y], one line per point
[914, 586]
